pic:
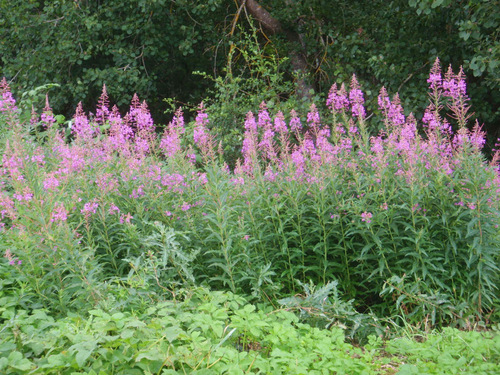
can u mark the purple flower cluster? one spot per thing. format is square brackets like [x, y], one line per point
[13, 260]
[266, 144]
[249, 149]
[337, 100]
[435, 79]
[102, 111]
[393, 111]
[366, 217]
[47, 116]
[60, 213]
[50, 183]
[454, 86]
[280, 124]
[201, 135]
[83, 129]
[295, 124]
[357, 100]
[170, 143]
[7, 101]
[89, 208]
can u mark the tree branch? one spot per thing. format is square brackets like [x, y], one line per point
[268, 22]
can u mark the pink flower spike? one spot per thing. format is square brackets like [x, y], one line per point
[89, 208]
[366, 217]
[435, 78]
[81, 125]
[102, 111]
[337, 99]
[279, 123]
[113, 209]
[357, 99]
[47, 116]
[60, 213]
[7, 101]
[264, 121]
[126, 218]
[295, 124]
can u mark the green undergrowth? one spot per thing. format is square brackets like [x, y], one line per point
[207, 332]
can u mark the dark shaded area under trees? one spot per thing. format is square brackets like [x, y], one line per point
[282, 51]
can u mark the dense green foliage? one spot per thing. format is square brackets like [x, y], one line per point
[152, 47]
[219, 333]
[133, 46]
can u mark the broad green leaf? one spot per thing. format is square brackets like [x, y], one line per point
[172, 333]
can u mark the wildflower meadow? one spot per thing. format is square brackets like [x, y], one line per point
[131, 248]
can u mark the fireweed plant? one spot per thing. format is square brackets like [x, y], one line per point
[404, 222]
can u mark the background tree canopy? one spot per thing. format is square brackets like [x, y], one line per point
[281, 51]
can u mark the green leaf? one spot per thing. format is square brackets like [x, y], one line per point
[83, 351]
[4, 362]
[60, 119]
[172, 333]
[464, 35]
[82, 356]
[436, 3]
[152, 354]
[16, 360]
[408, 370]
[7, 347]
[55, 360]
